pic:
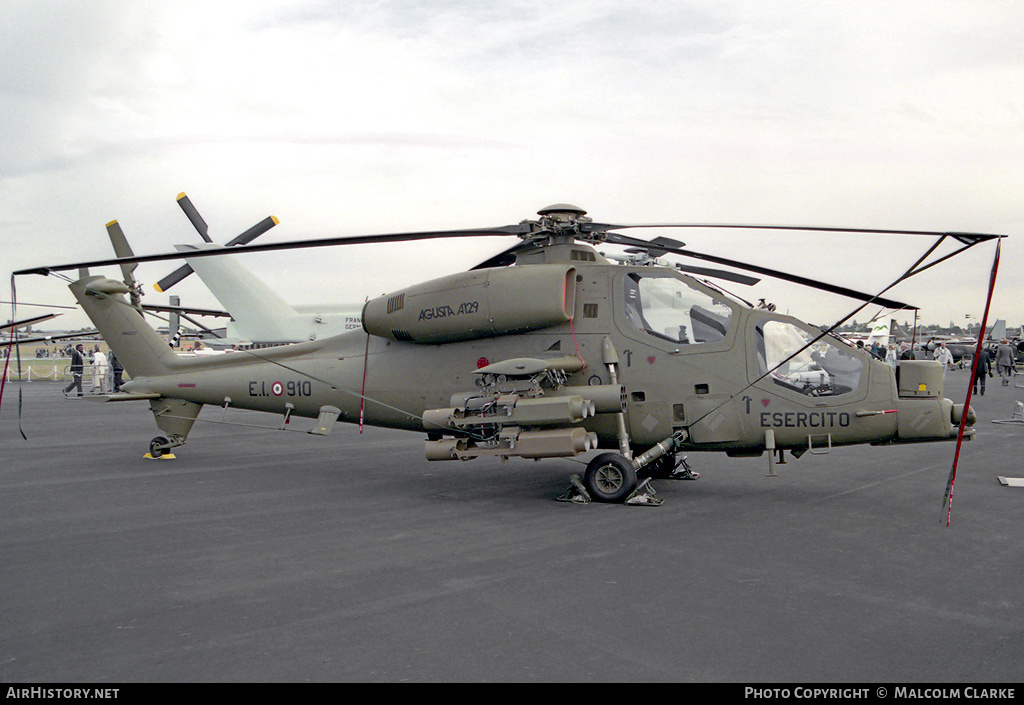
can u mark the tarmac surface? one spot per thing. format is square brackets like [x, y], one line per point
[268, 556]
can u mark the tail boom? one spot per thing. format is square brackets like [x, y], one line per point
[137, 346]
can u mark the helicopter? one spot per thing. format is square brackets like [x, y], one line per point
[549, 350]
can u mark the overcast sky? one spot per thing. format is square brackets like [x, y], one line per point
[355, 117]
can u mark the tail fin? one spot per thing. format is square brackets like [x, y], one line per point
[881, 332]
[998, 330]
[137, 346]
[259, 312]
[898, 333]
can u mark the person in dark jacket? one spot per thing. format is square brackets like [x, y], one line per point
[983, 370]
[76, 370]
[118, 370]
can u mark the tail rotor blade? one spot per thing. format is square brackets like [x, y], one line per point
[122, 249]
[193, 215]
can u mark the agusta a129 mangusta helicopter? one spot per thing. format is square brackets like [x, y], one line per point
[550, 349]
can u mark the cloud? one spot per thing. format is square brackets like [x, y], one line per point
[360, 117]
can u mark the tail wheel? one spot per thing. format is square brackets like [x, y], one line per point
[158, 446]
[610, 478]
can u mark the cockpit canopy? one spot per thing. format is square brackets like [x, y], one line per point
[822, 368]
[670, 309]
[797, 359]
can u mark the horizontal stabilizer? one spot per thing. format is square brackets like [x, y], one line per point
[123, 396]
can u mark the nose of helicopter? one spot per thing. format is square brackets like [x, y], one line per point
[930, 419]
[924, 413]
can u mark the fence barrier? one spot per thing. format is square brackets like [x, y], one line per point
[58, 370]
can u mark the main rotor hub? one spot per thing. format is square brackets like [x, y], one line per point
[562, 210]
[562, 219]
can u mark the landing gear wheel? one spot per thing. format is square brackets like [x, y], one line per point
[158, 446]
[610, 478]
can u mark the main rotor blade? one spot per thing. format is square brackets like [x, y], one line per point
[193, 215]
[961, 236]
[507, 256]
[291, 245]
[654, 250]
[63, 336]
[25, 303]
[719, 274]
[775, 273]
[662, 245]
[29, 321]
[186, 309]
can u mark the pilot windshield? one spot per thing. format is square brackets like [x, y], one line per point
[668, 308]
[824, 368]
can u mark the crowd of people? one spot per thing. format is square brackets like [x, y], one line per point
[107, 372]
[998, 359]
[1002, 357]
